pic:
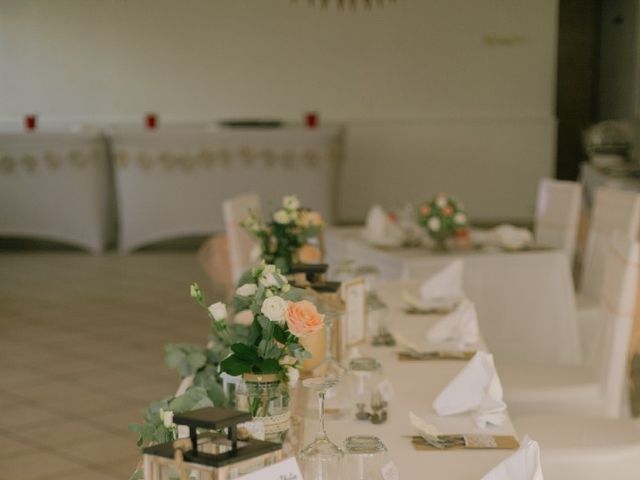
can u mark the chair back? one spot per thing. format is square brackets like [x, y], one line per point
[240, 242]
[618, 301]
[614, 210]
[557, 215]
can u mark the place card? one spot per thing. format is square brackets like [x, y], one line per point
[354, 294]
[408, 356]
[286, 470]
[470, 442]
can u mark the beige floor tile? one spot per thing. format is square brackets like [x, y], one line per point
[24, 415]
[61, 432]
[118, 422]
[10, 447]
[100, 451]
[26, 468]
[86, 474]
[124, 467]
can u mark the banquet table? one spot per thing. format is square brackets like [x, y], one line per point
[171, 181]
[525, 299]
[416, 384]
[55, 186]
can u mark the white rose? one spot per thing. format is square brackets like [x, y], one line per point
[256, 253]
[167, 418]
[291, 202]
[441, 201]
[460, 218]
[247, 290]
[245, 317]
[272, 279]
[434, 224]
[275, 309]
[294, 375]
[218, 311]
[282, 217]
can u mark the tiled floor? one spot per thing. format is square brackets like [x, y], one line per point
[81, 353]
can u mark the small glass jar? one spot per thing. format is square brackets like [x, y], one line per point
[267, 400]
[364, 376]
[364, 457]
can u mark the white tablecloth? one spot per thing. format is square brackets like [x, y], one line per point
[55, 186]
[171, 182]
[416, 384]
[525, 300]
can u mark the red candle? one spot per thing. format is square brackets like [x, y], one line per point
[30, 122]
[311, 119]
[151, 121]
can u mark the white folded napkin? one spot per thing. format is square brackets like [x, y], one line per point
[524, 464]
[475, 389]
[512, 238]
[381, 230]
[460, 327]
[444, 288]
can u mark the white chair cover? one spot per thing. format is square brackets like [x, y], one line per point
[613, 210]
[619, 301]
[240, 243]
[599, 387]
[557, 214]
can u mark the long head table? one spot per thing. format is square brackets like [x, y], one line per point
[416, 384]
[525, 300]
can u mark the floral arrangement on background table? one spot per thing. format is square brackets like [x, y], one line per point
[284, 239]
[443, 217]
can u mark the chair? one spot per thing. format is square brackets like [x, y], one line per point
[240, 243]
[557, 215]
[598, 388]
[613, 210]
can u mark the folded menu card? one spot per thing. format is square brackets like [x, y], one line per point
[476, 389]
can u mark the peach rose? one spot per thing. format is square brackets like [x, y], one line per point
[310, 218]
[309, 254]
[303, 318]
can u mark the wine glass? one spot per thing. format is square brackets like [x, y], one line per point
[329, 367]
[321, 459]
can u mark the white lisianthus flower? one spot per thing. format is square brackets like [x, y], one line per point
[291, 202]
[247, 290]
[460, 218]
[294, 375]
[441, 201]
[282, 217]
[218, 311]
[275, 309]
[167, 418]
[434, 224]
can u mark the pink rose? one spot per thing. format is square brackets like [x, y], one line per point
[425, 210]
[303, 318]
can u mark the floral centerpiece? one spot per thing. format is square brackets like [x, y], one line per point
[269, 357]
[284, 239]
[443, 217]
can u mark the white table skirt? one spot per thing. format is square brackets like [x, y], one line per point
[172, 182]
[55, 186]
[525, 300]
[416, 385]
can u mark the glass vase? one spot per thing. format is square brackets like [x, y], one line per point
[267, 399]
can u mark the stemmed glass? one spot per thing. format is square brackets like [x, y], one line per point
[329, 367]
[321, 459]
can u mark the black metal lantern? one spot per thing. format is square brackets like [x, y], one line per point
[209, 453]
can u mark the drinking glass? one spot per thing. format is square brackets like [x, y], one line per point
[364, 376]
[329, 367]
[364, 457]
[321, 459]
